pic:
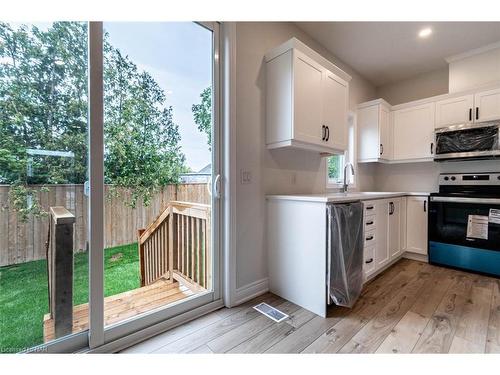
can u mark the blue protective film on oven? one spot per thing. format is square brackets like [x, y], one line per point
[468, 258]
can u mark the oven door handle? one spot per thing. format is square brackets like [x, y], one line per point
[466, 200]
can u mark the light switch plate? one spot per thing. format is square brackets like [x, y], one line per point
[246, 177]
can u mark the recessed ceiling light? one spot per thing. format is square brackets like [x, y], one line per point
[424, 33]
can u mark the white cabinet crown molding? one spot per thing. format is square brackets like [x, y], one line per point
[295, 43]
[472, 90]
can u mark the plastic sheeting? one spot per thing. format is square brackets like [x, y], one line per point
[345, 244]
[467, 140]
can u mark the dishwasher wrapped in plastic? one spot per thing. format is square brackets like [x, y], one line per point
[345, 252]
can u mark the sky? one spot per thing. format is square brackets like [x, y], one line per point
[179, 56]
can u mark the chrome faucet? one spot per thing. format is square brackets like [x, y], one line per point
[346, 182]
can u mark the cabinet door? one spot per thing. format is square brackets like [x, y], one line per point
[416, 225]
[394, 228]
[454, 111]
[414, 132]
[335, 96]
[368, 133]
[308, 104]
[487, 105]
[382, 247]
[385, 136]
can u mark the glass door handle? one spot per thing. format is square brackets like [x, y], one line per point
[216, 187]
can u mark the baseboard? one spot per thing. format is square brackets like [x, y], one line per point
[415, 256]
[252, 290]
[390, 264]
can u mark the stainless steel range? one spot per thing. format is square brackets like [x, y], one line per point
[464, 222]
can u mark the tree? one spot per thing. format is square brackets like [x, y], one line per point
[202, 114]
[333, 166]
[43, 106]
[142, 142]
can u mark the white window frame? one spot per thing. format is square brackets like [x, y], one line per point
[349, 156]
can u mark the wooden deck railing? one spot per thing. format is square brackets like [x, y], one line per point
[176, 246]
[60, 269]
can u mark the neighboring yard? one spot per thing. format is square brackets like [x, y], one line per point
[24, 295]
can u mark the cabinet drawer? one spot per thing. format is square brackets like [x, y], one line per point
[370, 238]
[369, 208]
[369, 260]
[370, 222]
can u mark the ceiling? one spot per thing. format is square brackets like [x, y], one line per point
[386, 52]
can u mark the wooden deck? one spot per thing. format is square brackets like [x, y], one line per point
[125, 305]
[412, 307]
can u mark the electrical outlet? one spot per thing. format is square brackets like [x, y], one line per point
[246, 177]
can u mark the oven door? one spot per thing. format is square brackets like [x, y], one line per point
[465, 233]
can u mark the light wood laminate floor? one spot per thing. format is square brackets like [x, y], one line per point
[412, 307]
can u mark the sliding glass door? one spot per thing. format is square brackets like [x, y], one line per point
[43, 169]
[160, 163]
[109, 220]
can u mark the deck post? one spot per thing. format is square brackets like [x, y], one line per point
[61, 270]
[172, 243]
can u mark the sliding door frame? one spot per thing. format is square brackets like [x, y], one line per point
[120, 331]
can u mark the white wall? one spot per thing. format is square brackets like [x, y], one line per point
[422, 86]
[419, 177]
[475, 70]
[271, 171]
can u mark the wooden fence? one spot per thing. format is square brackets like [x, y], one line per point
[25, 241]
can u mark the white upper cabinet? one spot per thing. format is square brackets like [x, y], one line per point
[405, 133]
[414, 132]
[487, 105]
[306, 102]
[454, 111]
[335, 104]
[473, 108]
[307, 84]
[374, 132]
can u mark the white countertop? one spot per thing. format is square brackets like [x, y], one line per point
[344, 197]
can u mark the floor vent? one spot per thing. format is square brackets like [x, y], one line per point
[270, 312]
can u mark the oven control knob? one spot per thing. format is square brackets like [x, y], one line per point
[453, 178]
[447, 178]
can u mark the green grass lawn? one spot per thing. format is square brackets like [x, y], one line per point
[24, 295]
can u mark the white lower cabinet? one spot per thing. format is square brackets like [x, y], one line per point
[297, 243]
[416, 225]
[369, 260]
[382, 256]
[384, 233]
